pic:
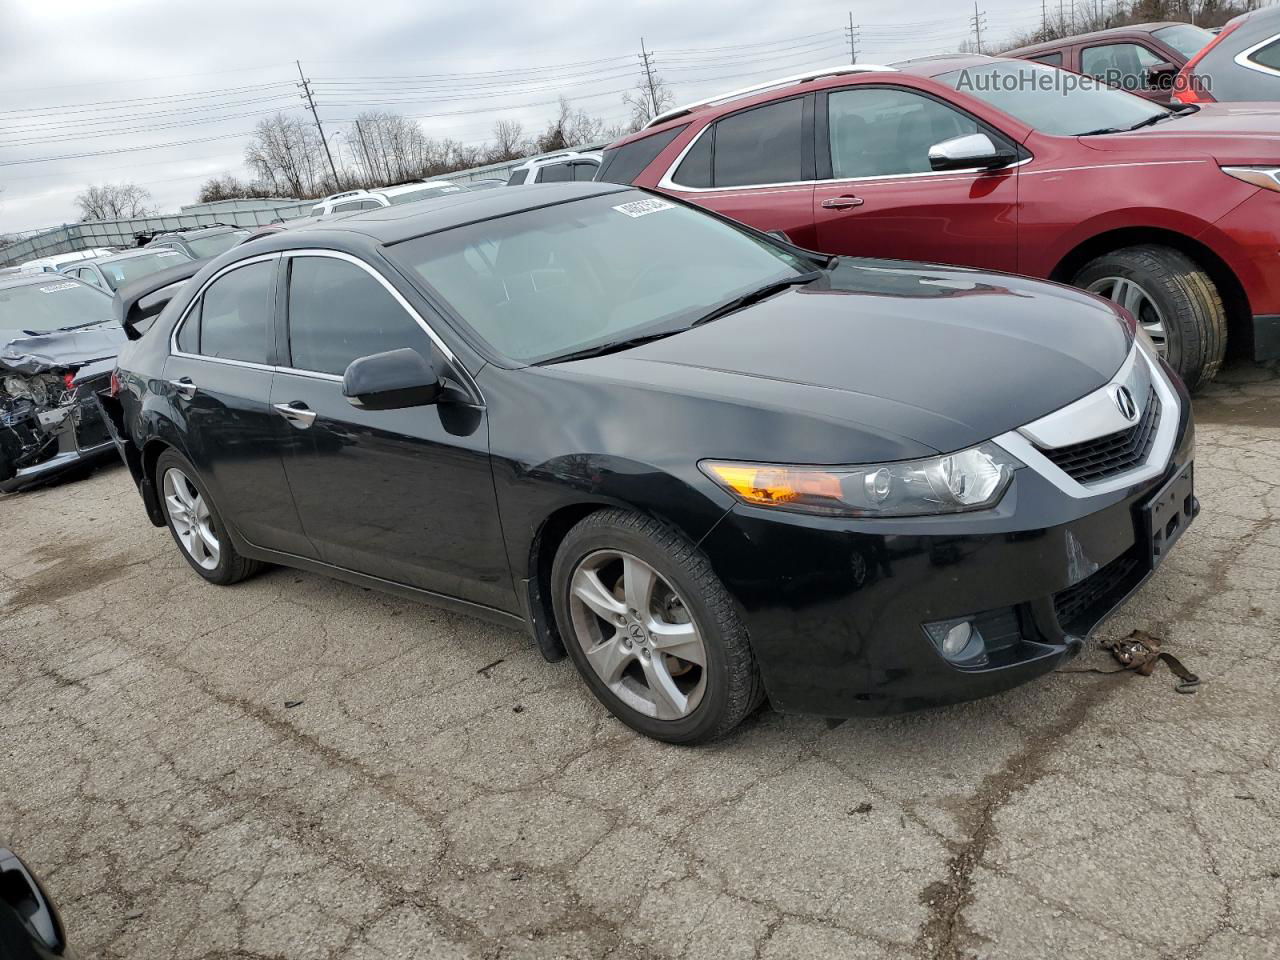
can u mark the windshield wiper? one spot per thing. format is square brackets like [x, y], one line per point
[1152, 120]
[755, 296]
[613, 346]
[81, 326]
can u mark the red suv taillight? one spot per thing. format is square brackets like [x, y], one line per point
[1186, 88]
[115, 383]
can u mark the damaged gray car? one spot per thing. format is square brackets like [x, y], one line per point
[58, 346]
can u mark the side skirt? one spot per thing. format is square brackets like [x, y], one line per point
[453, 604]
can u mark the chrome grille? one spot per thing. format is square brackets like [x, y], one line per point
[1116, 453]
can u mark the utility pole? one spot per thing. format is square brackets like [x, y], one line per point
[852, 33]
[306, 95]
[1044, 19]
[648, 72]
[978, 20]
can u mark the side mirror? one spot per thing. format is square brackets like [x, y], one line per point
[1160, 75]
[392, 381]
[967, 152]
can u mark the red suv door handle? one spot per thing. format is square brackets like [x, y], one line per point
[842, 203]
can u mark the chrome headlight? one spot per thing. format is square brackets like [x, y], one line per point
[973, 479]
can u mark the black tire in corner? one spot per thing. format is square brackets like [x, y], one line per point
[232, 567]
[1194, 316]
[733, 686]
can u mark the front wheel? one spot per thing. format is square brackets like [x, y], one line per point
[1172, 298]
[651, 629]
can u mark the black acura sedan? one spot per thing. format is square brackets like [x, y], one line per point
[710, 466]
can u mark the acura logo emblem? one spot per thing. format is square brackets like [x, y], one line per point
[1124, 403]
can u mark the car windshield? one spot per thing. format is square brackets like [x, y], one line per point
[44, 307]
[131, 268]
[1051, 100]
[424, 194]
[1187, 39]
[216, 243]
[572, 276]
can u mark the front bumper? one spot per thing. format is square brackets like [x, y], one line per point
[77, 435]
[835, 607]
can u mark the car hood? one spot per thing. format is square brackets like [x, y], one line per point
[940, 356]
[23, 352]
[1228, 132]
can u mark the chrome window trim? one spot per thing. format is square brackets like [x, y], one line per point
[668, 183]
[1019, 441]
[186, 313]
[1245, 57]
[404, 304]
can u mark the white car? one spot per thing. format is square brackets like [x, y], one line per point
[354, 200]
[556, 168]
[57, 261]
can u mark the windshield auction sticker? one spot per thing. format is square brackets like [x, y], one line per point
[642, 208]
[69, 285]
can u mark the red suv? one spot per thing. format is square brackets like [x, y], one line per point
[1005, 165]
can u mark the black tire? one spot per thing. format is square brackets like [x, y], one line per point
[733, 687]
[232, 567]
[1195, 318]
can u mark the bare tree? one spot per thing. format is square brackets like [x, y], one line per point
[570, 128]
[648, 100]
[509, 142]
[228, 187]
[113, 201]
[287, 156]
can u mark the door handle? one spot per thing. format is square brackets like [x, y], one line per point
[842, 203]
[183, 387]
[296, 413]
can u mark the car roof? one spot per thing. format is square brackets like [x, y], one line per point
[388, 225]
[209, 231]
[1095, 35]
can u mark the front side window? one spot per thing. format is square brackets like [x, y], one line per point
[1052, 101]
[760, 146]
[234, 315]
[878, 132]
[1123, 65]
[547, 282]
[338, 312]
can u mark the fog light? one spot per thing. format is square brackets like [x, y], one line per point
[958, 640]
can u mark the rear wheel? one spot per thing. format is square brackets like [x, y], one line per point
[652, 630]
[195, 524]
[1172, 298]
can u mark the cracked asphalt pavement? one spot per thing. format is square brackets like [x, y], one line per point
[297, 768]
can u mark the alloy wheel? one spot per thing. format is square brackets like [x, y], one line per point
[191, 520]
[1137, 301]
[638, 635]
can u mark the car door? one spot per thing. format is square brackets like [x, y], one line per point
[880, 197]
[218, 379]
[405, 495]
[755, 166]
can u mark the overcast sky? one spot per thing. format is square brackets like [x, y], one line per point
[73, 74]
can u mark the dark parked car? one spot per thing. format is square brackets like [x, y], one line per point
[58, 343]
[1142, 58]
[712, 466]
[200, 242]
[1242, 62]
[111, 272]
[30, 928]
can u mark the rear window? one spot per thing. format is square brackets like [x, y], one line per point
[1188, 40]
[623, 164]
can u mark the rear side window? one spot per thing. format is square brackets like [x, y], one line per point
[1268, 56]
[339, 313]
[235, 314]
[759, 146]
[695, 168]
[1049, 59]
[623, 164]
[555, 173]
[583, 170]
[518, 178]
